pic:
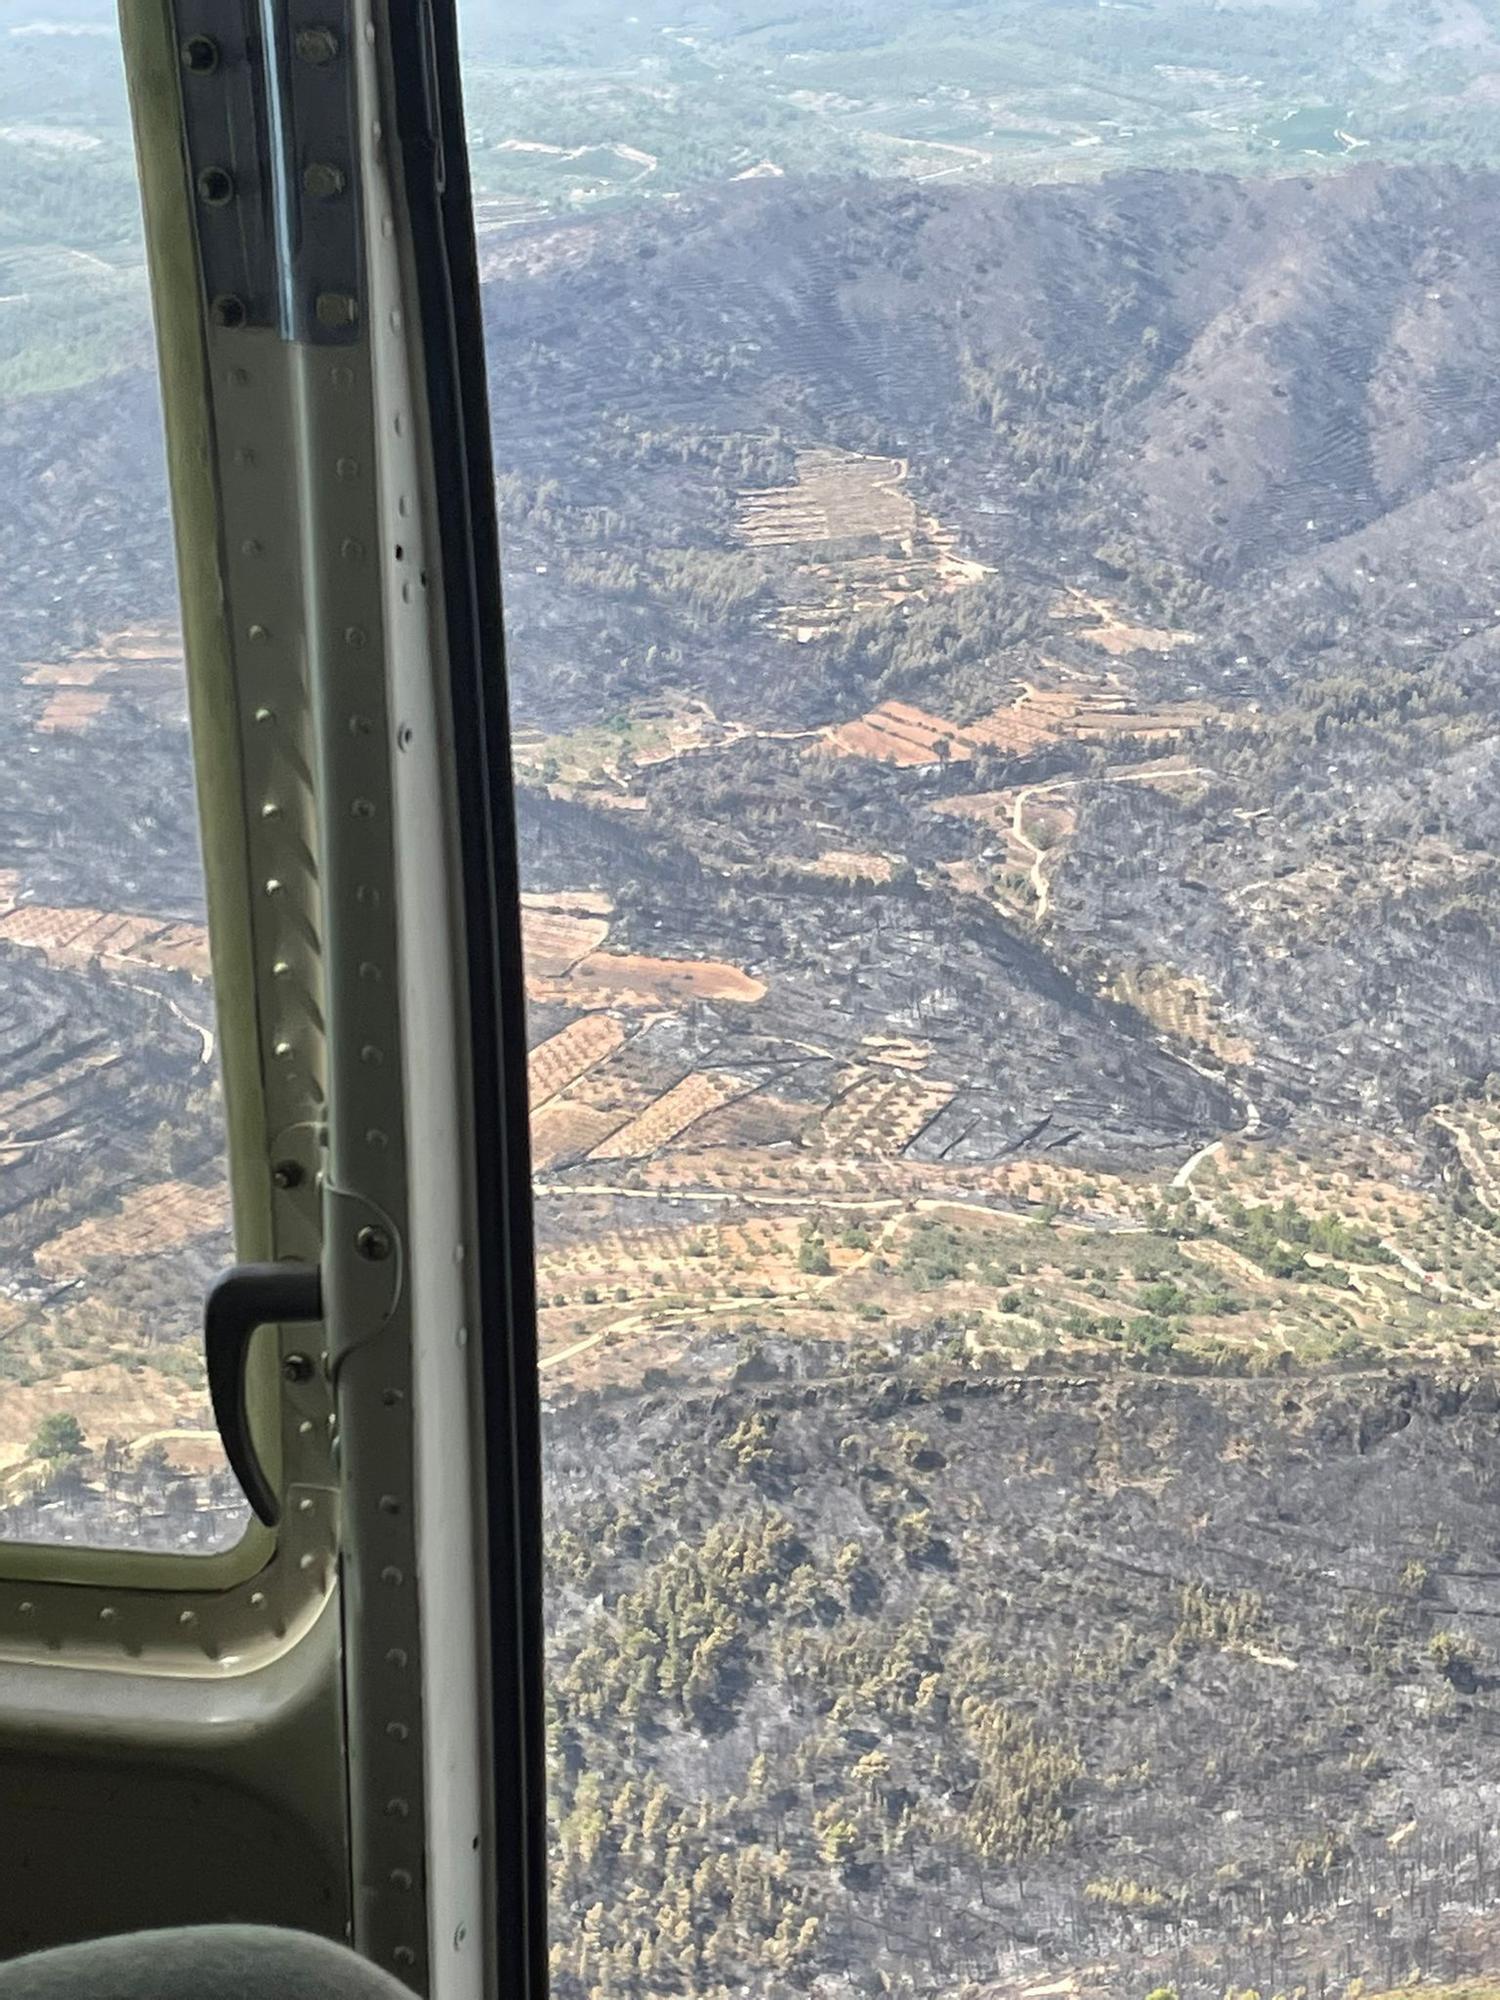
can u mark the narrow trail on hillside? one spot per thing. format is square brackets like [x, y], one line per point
[1041, 888]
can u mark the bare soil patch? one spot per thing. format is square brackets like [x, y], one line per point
[671, 1115]
[148, 1220]
[621, 979]
[566, 1056]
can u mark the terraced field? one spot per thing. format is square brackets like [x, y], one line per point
[861, 545]
[897, 732]
[147, 1220]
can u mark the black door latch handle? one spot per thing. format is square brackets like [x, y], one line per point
[239, 1303]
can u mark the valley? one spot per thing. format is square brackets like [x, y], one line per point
[1006, 683]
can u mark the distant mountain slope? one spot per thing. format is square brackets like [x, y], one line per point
[1238, 369]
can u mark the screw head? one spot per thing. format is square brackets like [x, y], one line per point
[323, 180]
[288, 1173]
[227, 310]
[200, 55]
[216, 186]
[317, 45]
[373, 1243]
[296, 1368]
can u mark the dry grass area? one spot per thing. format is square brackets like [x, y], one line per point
[110, 1400]
[1474, 1127]
[674, 725]
[71, 709]
[877, 548]
[880, 1112]
[148, 1220]
[1370, 1180]
[562, 1132]
[1181, 1007]
[672, 1114]
[1102, 625]
[896, 1051]
[898, 733]
[623, 979]
[30, 1108]
[988, 809]
[876, 1181]
[79, 700]
[843, 864]
[570, 1054]
[554, 939]
[747, 1124]
[98, 937]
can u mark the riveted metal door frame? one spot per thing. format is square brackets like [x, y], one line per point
[370, 1675]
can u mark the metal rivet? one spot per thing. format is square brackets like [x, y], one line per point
[227, 310]
[376, 1139]
[389, 1504]
[237, 377]
[296, 1368]
[257, 1599]
[397, 1808]
[244, 457]
[200, 55]
[216, 186]
[288, 1173]
[306, 1427]
[362, 809]
[273, 886]
[400, 1878]
[347, 468]
[305, 1505]
[396, 1657]
[26, 1608]
[403, 736]
[372, 1055]
[459, 1937]
[309, 1561]
[367, 894]
[281, 970]
[404, 1955]
[354, 635]
[283, 1051]
[390, 1397]
[368, 969]
[316, 45]
[260, 634]
[108, 1615]
[270, 810]
[397, 1731]
[251, 547]
[187, 1617]
[351, 550]
[265, 715]
[373, 1243]
[342, 376]
[393, 1576]
[323, 180]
